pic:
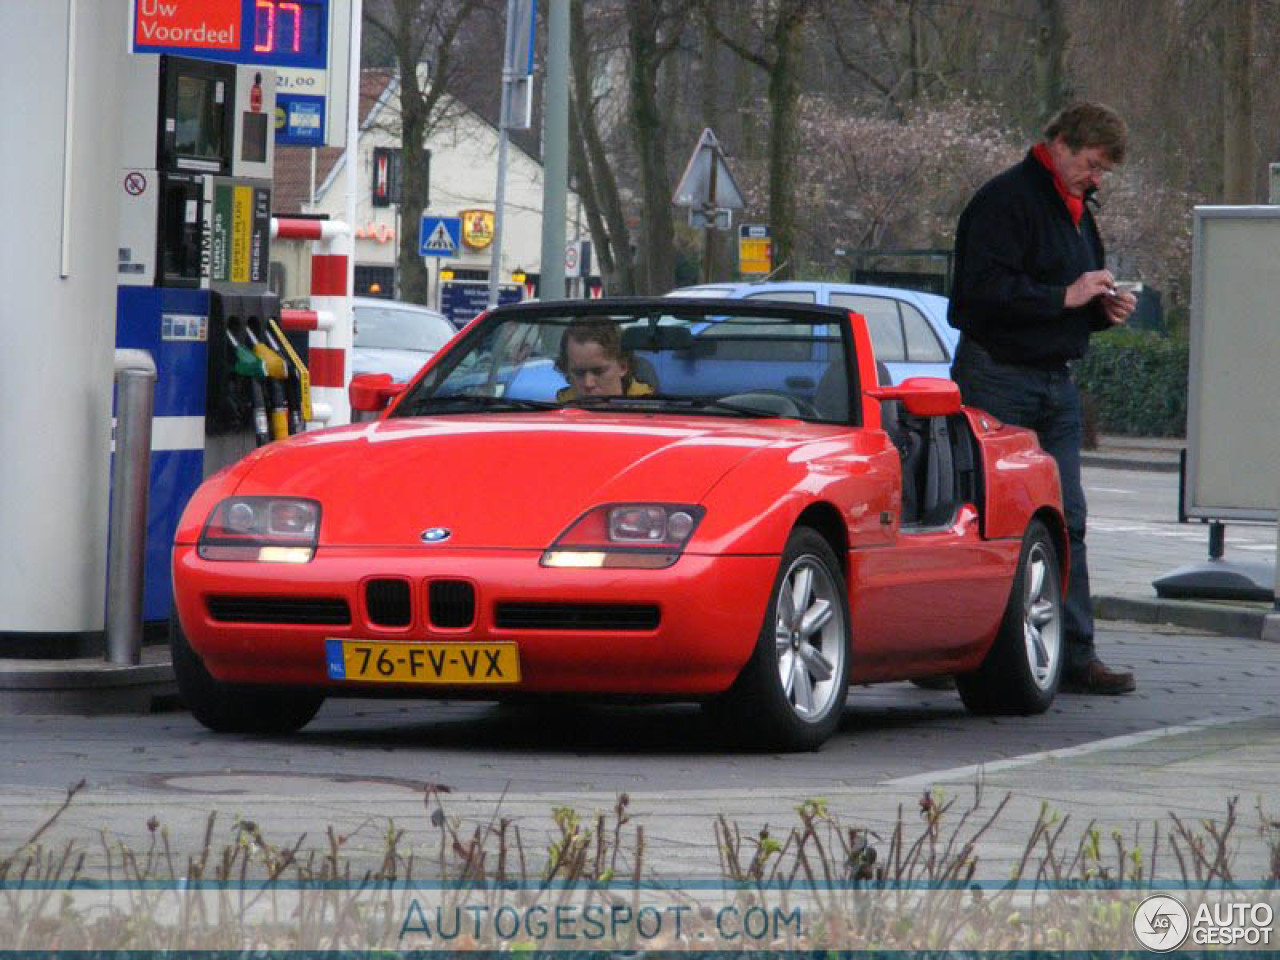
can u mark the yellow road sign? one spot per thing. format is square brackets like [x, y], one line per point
[755, 250]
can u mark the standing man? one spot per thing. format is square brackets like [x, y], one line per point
[1030, 287]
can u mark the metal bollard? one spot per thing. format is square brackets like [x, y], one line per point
[130, 479]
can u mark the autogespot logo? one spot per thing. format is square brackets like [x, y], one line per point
[1161, 923]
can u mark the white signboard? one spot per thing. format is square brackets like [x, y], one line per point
[1233, 435]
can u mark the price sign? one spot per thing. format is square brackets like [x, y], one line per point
[269, 33]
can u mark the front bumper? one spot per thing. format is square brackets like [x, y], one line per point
[710, 610]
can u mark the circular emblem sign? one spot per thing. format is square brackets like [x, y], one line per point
[477, 228]
[1161, 923]
[436, 534]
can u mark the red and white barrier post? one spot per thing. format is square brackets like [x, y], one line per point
[329, 321]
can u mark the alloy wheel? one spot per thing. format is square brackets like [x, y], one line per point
[809, 639]
[1041, 615]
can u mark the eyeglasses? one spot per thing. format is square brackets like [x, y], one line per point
[1097, 166]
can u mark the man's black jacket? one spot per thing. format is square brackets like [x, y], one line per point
[1016, 252]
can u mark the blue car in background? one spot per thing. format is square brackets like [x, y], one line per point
[908, 328]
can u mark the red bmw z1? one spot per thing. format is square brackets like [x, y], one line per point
[704, 500]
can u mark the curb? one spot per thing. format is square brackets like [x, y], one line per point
[84, 687]
[1234, 620]
[1094, 459]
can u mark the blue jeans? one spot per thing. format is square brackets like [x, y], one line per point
[1046, 401]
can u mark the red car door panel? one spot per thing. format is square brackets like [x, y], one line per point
[929, 603]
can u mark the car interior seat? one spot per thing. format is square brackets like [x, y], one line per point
[939, 501]
[907, 433]
[832, 395]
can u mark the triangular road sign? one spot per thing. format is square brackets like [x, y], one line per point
[440, 239]
[707, 181]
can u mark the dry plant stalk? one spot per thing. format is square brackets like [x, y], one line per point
[865, 884]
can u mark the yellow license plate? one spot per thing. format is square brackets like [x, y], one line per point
[453, 663]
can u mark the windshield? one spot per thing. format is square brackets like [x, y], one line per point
[390, 328]
[757, 364]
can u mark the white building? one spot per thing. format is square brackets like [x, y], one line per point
[463, 177]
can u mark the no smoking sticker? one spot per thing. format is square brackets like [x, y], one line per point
[135, 184]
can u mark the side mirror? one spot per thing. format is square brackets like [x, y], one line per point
[922, 396]
[371, 392]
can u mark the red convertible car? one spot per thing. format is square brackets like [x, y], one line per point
[599, 499]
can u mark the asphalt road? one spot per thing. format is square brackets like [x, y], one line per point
[1135, 537]
[363, 760]
[889, 731]
[1139, 504]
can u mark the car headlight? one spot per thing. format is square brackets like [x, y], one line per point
[650, 535]
[265, 529]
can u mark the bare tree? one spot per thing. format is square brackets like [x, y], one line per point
[900, 54]
[1238, 173]
[906, 92]
[779, 53]
[1050, 67]
[591, 165]
[652, 35]
[424, 36]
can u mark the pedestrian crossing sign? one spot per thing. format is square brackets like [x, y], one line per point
[439, 236]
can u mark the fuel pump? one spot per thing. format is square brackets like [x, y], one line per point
[195, 215]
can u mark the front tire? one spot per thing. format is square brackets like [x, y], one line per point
[227, 708]
[1022, 669]
[791, 694]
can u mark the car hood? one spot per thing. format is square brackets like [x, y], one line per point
[499, 481]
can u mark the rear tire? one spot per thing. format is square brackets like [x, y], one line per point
[228, 708]
[1022, 669]
[790, 695]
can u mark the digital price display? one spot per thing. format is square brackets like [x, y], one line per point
[268, 33]
[288, 29]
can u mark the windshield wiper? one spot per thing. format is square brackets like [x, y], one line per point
[451, 404]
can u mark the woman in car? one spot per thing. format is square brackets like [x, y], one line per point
[594, 362]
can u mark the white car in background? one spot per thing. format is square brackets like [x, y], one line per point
[395, 337]
[909, 329]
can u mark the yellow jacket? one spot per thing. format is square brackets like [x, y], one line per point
[637, 389]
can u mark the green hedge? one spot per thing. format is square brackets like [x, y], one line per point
[1136, 383]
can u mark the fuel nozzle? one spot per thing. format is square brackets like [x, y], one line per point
[249, 365]
[294, 388]
[245, 362]
[271, 360]
[277, 374]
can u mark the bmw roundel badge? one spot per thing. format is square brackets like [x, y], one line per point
[436, 534]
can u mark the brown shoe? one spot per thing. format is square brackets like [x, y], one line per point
[1099, 678]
